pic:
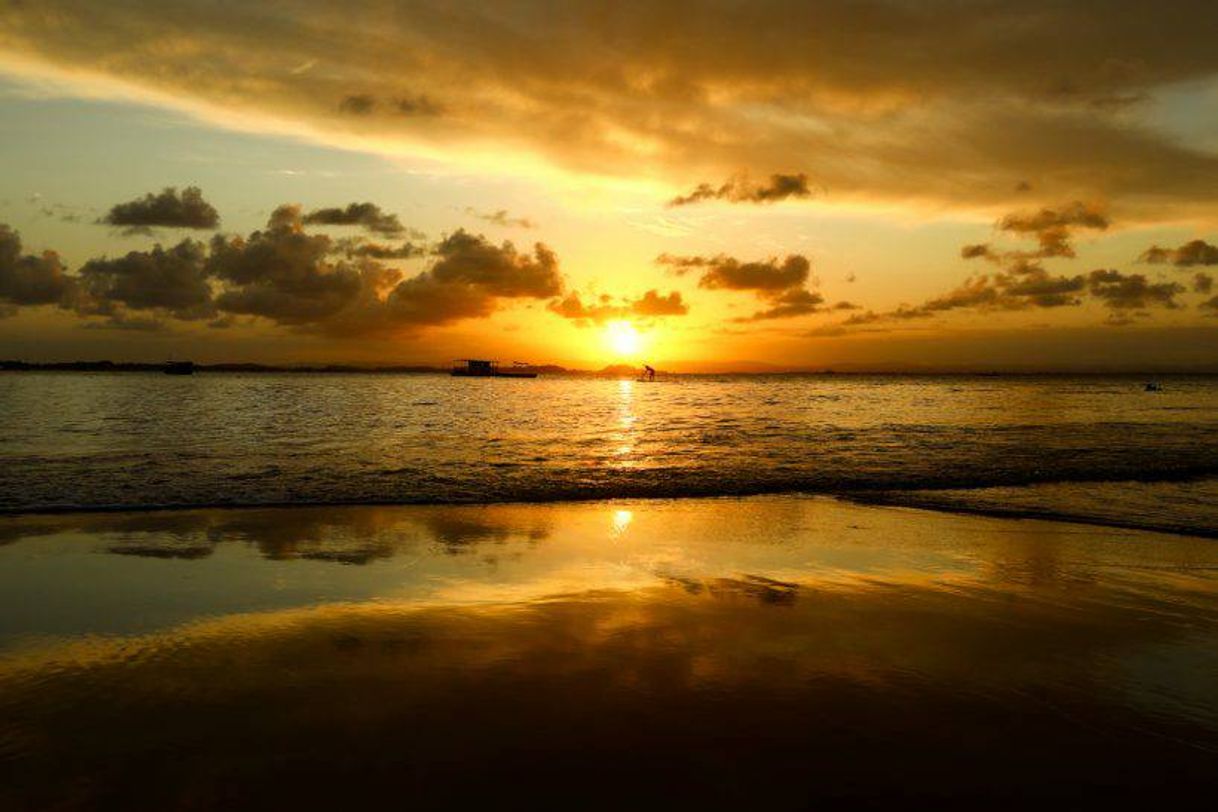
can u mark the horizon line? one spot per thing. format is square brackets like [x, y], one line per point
[609, 370]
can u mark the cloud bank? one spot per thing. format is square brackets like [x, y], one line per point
[294, 278]
[960, 104]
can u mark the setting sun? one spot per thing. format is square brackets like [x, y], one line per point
[623, 338]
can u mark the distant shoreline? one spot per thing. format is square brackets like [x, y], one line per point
[613, 371]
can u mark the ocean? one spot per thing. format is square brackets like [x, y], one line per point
[707, 591]
[1087, 448]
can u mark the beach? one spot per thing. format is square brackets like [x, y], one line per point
[772, 649]
[744, 405]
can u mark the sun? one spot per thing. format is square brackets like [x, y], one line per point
[623, 338]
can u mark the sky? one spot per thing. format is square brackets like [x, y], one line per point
[982, 184]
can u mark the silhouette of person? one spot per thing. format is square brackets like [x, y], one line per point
[649, 373]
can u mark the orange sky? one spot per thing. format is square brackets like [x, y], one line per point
[701, 186]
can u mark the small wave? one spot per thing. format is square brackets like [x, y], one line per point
[1165, 506]
[1129, 504]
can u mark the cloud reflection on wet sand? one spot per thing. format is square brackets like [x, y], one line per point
[728, 662]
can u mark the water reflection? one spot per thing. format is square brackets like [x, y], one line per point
[624, 438]
[720, 652]
[347, 535]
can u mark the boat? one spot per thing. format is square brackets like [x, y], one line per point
[477, 368]
[1154, 386]
[179, 368]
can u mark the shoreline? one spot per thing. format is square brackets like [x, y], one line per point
[904, 500]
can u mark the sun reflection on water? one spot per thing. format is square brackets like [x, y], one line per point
[625, 437]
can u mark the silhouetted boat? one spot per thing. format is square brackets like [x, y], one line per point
[179, 368]
[1154, 386]
[473, 368]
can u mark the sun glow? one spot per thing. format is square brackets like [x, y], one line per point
[623, 339]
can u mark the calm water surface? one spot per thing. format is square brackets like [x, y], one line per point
[727, 652]
[139, 440]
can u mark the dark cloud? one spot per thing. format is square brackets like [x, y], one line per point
[1023, 283]
[287, 275]
[652, 303]
[976, 291]
[572, 306]
[1052, 228]
[1054, 242]
[1210, 304]
[783, 286]
[1132, 291]
[282, 273]
[425, 300]
[1035, 287]
[742, 190]
[1195, 252]
[171, 280]
[605, 308]
[499, 270]
[1073, 215]
[1025, 286]
[287, 215]
[846, 306]
[357, 247]
[469, 279]
[26, 279]
[366, 215]
[166, 210]
[290, 277]
[501, 218]
[795, 302]
[729, 273]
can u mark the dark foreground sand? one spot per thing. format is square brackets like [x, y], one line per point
[711, 653]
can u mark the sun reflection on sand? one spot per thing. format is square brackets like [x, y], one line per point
[621, 521]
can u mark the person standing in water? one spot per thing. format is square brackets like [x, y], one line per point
[649, 374]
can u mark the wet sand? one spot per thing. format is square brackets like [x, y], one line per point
[724, 652]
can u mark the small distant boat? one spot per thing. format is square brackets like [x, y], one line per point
[1154, 386]
[179, 368]
[475, 368]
